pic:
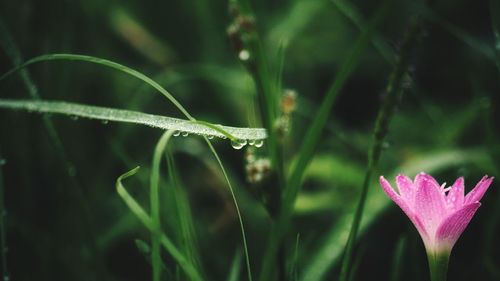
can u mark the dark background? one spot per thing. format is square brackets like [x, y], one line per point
[64, 219]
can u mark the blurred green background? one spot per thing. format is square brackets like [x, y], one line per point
[65, 221]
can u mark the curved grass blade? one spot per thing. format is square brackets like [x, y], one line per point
[104, 62]
[155, 204]
[145, 219]
[242, 227]
[158, 87]
[127, 116]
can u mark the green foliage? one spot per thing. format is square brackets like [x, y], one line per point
[126, 116]
[308, 78]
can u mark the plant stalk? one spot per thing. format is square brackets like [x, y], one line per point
[394, 93]
[438, 265]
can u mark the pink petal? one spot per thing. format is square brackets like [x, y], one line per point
[452, 227]
[406, 190]
[477, 193]
[417, 222]
[386, 186]
[423, 176]
[429, 202]
[455, 197]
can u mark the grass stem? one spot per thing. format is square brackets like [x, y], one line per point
[394, 92]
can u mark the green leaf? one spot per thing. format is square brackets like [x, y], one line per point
[146, 220]
[120, 115]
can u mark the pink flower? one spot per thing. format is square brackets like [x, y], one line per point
[440, 214]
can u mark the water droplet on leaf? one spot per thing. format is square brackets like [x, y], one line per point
[244, 55]
[258, 143]
[238, 144]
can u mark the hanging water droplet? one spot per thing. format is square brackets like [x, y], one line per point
[104, 122]
[176, 133]
[74, 117]
[210, 137]
[258, 143]
[251, 142]
[184, 134]
[2, 162]
[6, 278]
[238, 144]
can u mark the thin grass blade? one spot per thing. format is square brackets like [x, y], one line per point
[183, 223]
[155, 204]
[238, 212]
[235, 272]
[313, 135]
[146, 220]
[103, 62]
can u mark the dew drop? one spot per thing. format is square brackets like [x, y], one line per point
[258, 143]
[74, 117]
[251, 142]
[104, 122]
[210, 137]
[244, 55]
[176, 133]
[2, 162]
[238, 144]
[184, 134]
[6, 278]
